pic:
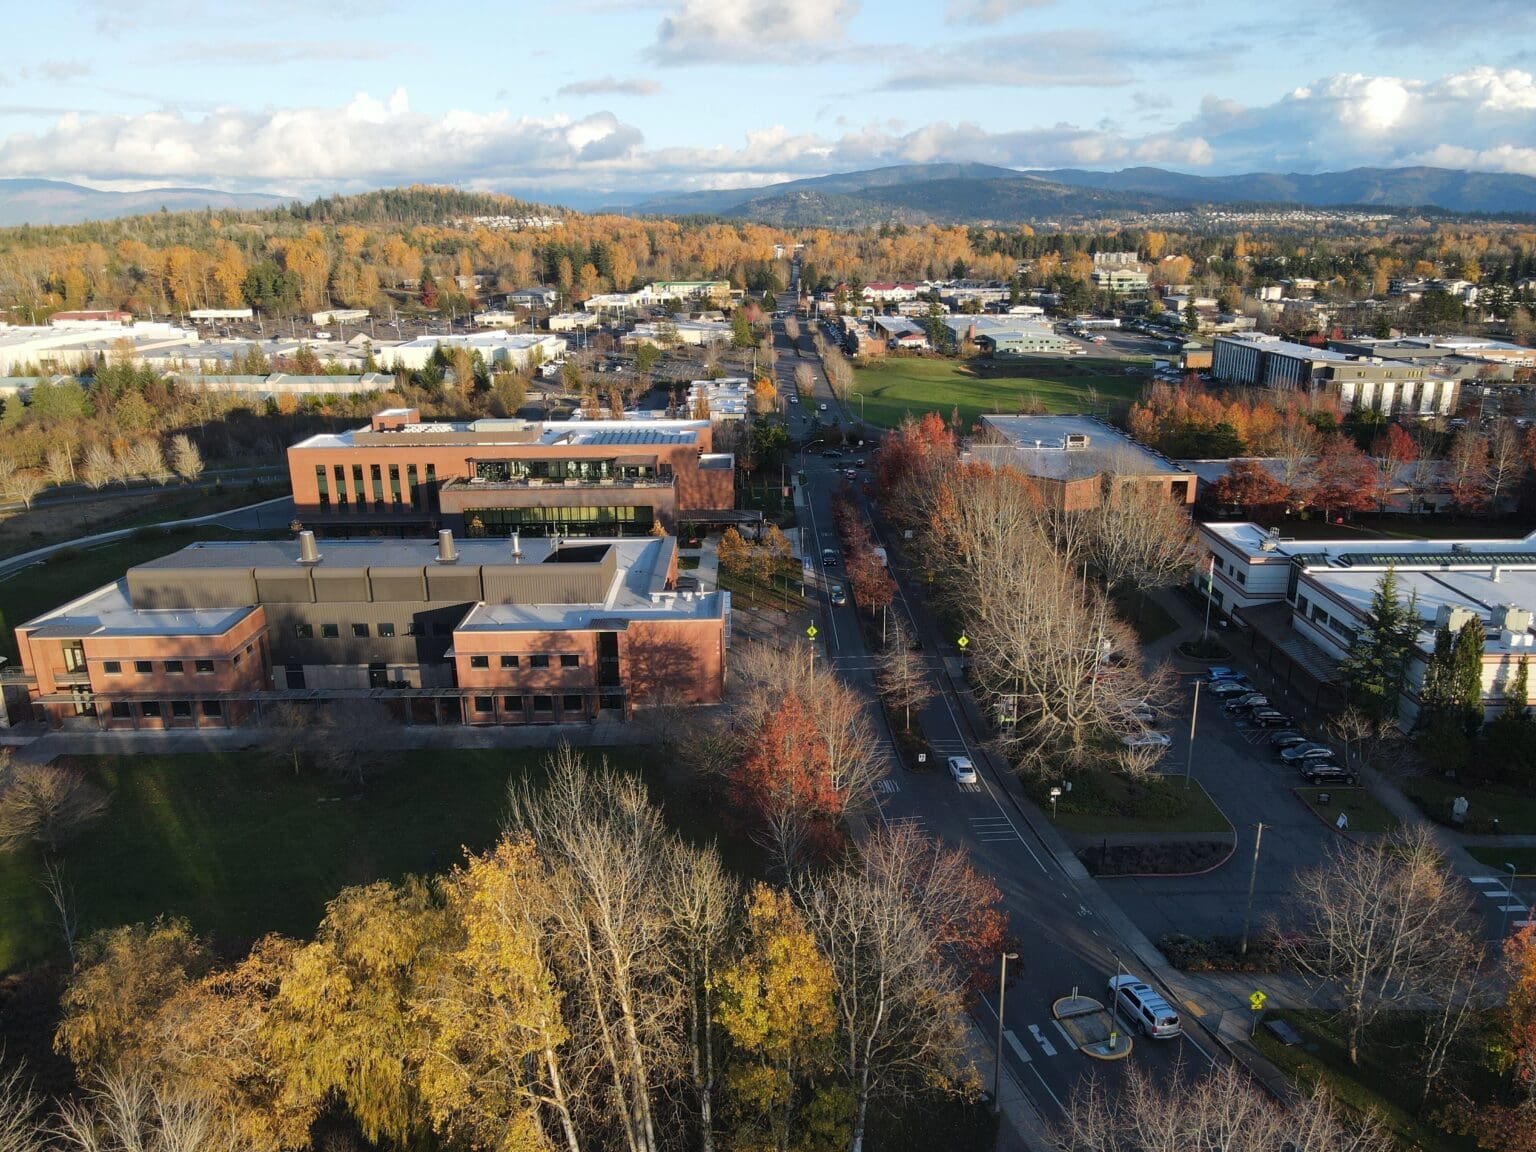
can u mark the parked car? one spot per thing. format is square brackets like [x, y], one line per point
[1221, 672]
[1250, 700]
[1308, 751]
[1146, 738]
[839, 597]
[1269, 718]
[961, 768]
[1143, 1006]
[1326, 773]
[1287, 738]
[1230, 688]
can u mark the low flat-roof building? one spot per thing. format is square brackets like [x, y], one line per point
[514, 349]
[1008, 336]
[1070, 458]
[574, 477]
[473, 632]
[1354, 381]
[1325, 588]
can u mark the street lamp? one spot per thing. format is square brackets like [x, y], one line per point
[1055, 796]
[1194, 715]
[997, 1067]
[1509, 897]
[1253, 878]
[1210, 593]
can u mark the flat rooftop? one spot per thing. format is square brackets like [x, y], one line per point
[1040, 445]
[1431, 590]
[1249, 538]
[108, 611]
[550, 434]
[1284, 347]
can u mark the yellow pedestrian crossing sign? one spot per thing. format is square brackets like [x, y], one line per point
[964, 642]
[811, 631]
[1257, 1001]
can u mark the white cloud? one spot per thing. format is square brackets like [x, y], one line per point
[750, 31]
[987, 11]
[1057, 59]
[264, 53]
[609, 86]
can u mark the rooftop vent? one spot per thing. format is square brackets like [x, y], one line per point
[517, 547]
[446, 552]
[308, 552]
[1511, 618]
[1271, 541]
[1453, 617]
[1076, 441]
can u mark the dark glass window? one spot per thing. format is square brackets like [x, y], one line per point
[112, 667]
[143, 667]
[543, 703]
[121, 711]
[386, 630]
[174, 667]
[204, 667]
[213, 708]
[485, 703]
[323, 485]
[150, 708]
[360, 631]
[413, 486]
[377, 476]
[330, 631]
[394, 484]
[538, 661]
[358, 491]
[341, 485]
[181, 709]
[509, 661]
[479, 661]
[414, 628]
[511, 703]
[570, 660]
[303, 631]
[570, 703]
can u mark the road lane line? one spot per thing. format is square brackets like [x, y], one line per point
[1071, 1043]
[1018, 1049]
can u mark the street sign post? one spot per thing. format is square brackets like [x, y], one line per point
[810, 634]
[1256, 1004]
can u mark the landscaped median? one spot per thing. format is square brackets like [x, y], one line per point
[1151, 825]
[1490, 809]
[1364, 812]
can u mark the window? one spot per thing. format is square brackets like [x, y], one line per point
[543, 703]
[323, 487]
[150, 709]
[204, 667]
[174, 667]
[330, 631]
[377, 477]
[538, 661]
[386, 631]
[121, 711]
[112, 667]
[1242, 578]
[359, 493]
[513, 704]
[304, 631]
[570, 660]
[509, 661]
[360, 631]
[181, 709]
[394, 485]
[143, 667]
[479, 661]
[236, 660]
[570, 703]
[213, 708]
[485, 704]
[341, 485]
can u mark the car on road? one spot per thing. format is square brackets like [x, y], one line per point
[1269, 718]
[1230, 688]
[793, 399]
[961, 768]
[828, 558]
[1144, 1007]
[1308, 751]
[823, 407]
[838, 596]
[1326, 773]
[1288, 738]
[1146, 738]
[831, 454]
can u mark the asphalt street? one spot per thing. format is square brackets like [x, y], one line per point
[1063, 943]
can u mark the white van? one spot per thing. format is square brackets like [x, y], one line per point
[1142, 1006]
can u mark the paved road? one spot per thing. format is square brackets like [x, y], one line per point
[1063, 941]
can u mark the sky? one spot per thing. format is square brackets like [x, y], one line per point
[586, 102]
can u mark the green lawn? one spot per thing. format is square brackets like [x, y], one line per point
[781, 591]
[71, 573]
[1384, 1082]
[1102, 803]
[240, 846]
[1365, 814]
[1524, 859]
[1514, 810]
[894, 387]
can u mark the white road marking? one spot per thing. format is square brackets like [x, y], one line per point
[1018, 1049]
[1034, 1030]
[887, 785]
[1498, 894]
[1485, 880]
[1071, 1043]
[1512, 908]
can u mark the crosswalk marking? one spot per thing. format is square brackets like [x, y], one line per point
[1018, 1049]
[1497, 894]
[1512, 908]
[1045, 1045]
[1485, 880]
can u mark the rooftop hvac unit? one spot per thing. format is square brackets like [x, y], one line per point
[1271, 541]
[1076, 440]
[1453, 616]
[1511, 618]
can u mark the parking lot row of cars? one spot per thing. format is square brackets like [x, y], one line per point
[1244, 702]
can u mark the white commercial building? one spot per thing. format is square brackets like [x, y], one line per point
[72, 348]
[511, 349]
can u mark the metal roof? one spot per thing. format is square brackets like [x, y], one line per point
[1447, 559]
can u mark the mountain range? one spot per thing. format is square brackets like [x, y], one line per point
[58, 202]
[962, 193]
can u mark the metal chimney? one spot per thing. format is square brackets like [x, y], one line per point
[517, 547]
[308, 552]
[446, 553]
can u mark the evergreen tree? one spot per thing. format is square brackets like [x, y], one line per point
[1467, 681]
[1376, 668]
[1435, 696]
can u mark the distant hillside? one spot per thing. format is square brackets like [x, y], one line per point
[57, 202]
[961, 193]
[1450, 189]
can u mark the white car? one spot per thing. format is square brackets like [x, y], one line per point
[1144, 1008]
[823, 407]
[1146, 739]
[961, 768]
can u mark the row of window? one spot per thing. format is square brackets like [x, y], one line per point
[567, 660]
[171, 667]
[151, 710]
[386, 631]
[572, 702]
[419, 496]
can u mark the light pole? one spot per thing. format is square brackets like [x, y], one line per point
[1253, 877]
[1509, 896]
[1194, 715]
[1055, 796]
[997, 1067]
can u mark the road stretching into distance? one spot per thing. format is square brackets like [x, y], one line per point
[1061, 940]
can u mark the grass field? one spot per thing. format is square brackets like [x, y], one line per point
[1514, 810]
[1103, 804]
[1524, 859]
[781, 591]
[894, 387]
[1365, 814]
[70, 573]
[240, 846]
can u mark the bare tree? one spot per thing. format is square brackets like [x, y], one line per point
[61, 894]
[1380, 921]
[805, 381]
[186, 460]
[98, 469]
[1295, 442]
[355, 737]
[127, 1111]
[1138, 538]
[1504, 464]
[60, 466]
[45, 804]
[23, 487]
[902, 676]
[20, 1130]
[792, 332]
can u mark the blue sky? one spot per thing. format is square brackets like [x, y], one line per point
[589, 101]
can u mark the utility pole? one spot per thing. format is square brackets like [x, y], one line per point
[1210, 592]
[997, 1066]
[1253, 877]
[1194, 716]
